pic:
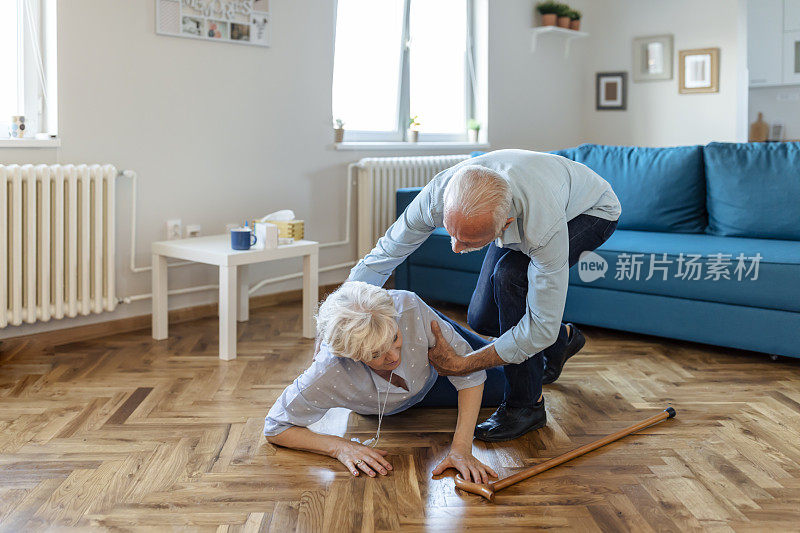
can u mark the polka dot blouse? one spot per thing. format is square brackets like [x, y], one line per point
[333, 381]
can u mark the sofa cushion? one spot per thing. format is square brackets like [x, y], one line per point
[660, 189]
[436, 252]
[754, 189]
[440, 284]
[775, 286]
[569, 153]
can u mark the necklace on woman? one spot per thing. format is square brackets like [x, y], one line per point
[373, 442]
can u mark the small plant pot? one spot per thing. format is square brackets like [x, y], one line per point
[563, 22]
[473, 135]
[338, 135]
[549, 19]
[575, 24]
[413, 136]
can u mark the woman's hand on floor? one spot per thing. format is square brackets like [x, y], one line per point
[467, 465]
[371, 459]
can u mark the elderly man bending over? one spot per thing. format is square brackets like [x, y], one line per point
[539, 212]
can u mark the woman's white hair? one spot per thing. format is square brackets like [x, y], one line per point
[357, 321]
[475, 190]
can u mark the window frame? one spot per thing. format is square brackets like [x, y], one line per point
[40, 112]
[400, 134]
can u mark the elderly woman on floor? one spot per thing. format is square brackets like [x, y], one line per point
[373, 359]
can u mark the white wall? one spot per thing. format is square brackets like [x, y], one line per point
[657, 114]
[219, 132]
[534, 97]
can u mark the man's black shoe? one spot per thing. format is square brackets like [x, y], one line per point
[511, 422]
[555, 364]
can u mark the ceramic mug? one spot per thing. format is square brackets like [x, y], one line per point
[242, 238]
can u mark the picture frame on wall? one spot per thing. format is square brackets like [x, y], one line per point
[652, 58]
[611, 91]
[231, 21]
[698, 71]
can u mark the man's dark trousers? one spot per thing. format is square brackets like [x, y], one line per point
[499, 302]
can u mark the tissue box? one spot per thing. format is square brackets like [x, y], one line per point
[290, 229]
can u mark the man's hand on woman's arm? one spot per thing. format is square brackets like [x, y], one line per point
[460, 456]
[347, 452]
[448, 363]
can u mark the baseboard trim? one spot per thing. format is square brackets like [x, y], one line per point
[135, 323]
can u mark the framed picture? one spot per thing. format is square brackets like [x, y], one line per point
[216, 29]
[698, 71]
[260, 28]
[231, 21]
[611, 90]
[192, 26]
[652, 58]
[240, 32]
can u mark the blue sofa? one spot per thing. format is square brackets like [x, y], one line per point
[712, 231]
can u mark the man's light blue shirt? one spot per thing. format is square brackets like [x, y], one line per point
[548, 190]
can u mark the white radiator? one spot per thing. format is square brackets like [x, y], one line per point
[378, 180]
[56, 241]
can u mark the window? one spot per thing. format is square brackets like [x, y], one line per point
[398, 59]
[28, 65]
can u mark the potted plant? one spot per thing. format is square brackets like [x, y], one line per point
[549, 11]
[563, 16]
[413, 129]
[575, 20]
[338, 130]
[473, 128]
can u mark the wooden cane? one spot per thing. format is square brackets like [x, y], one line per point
[487, 490]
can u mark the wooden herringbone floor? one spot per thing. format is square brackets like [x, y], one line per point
[124, 432]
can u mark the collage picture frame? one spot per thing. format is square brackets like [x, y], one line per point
[233, 21]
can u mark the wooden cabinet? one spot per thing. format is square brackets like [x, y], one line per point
[765, 27]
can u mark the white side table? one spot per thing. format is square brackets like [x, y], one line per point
[233, 295]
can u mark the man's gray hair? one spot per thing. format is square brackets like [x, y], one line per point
[357, 321]
[475, 190]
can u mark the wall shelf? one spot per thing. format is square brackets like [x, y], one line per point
[564, 33]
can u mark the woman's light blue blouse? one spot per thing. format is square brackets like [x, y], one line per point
[333, 381]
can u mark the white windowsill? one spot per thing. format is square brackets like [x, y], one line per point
[30, 143]
[395, 145]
